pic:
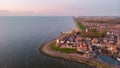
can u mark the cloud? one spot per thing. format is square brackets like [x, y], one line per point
[20, 13]
[26, 12]
[4, 11]
[14, 13]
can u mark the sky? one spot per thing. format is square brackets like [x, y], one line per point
[59, 7]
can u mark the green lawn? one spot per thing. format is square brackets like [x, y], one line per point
[80, 25]
[64, 50]
[73, 50]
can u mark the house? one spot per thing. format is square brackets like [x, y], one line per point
[94, 41]
[102, 44]
[105, 40]
[82, 47]
[112, 48]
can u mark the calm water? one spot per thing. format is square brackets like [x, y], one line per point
[21, 37]
[109, 60]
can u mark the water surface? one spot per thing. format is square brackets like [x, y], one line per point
[21, 37]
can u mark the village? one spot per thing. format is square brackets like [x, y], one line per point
[93, 38]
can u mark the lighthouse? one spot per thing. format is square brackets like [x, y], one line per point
[57, 42]
[86, 30]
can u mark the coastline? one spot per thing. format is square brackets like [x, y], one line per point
[46, 50]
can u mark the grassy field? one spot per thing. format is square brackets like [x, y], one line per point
[80, 25]
[64, 50]
[73, 50]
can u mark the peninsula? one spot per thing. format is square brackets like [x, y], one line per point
[91, 38]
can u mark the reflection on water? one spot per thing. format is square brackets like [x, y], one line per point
[21, 37]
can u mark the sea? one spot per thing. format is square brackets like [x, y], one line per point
[22, 36]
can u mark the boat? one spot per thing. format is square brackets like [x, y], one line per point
[118, 59]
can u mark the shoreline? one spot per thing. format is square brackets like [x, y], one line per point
[74, 57]
[46, 50]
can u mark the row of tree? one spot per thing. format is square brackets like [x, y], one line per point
[93, 33]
